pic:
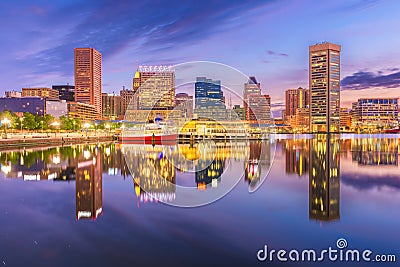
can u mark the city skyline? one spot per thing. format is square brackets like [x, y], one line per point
[279, 63]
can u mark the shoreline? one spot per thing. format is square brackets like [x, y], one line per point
[47, 141]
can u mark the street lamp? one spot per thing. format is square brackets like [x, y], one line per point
[108, 126]
[5, 122]
[20, 120]
[55, 124]
[86, 126]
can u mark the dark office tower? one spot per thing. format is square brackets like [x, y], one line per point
[324, 83]
[324, 178]
[126, 98]
[111, 106]
[89, 192]
[88, 78]
[209, 99]
[65, 92]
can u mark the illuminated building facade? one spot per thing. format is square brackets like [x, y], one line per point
[252, 87]
[345, 118]
[324, 179]
[57, 108]
[376, 112]
[296, 98]
[111, 106]
[47, 93]
[126, 98]
[259, 109]
[240, 112]
[84, 112]
[88, 75]
[13, 94]
[302, 120]
[184, 102]
[156, 87]
[324, 83]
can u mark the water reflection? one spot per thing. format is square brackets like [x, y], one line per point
[324, 178]
[368, 163]
[89, 189]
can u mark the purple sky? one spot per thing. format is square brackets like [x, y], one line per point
[268, 39]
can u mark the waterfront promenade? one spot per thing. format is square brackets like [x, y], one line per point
[19, 140]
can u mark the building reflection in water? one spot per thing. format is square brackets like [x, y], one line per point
[296, 155]
[89, 188]
[258, 162]
[318, 157]
[324, 178]
[210, 166]
[375, 151]
[152, 171]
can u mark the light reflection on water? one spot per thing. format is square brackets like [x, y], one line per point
[323, 187]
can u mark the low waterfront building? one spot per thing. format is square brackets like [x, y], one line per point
[57, 108]
[345, 118]
[240, 112]
[13, 94]
[302, 119]
[48, 93]
[82, 111]
[376, 113]
[34, 105]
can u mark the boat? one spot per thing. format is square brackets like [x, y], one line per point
[154, 133]
[392, 130]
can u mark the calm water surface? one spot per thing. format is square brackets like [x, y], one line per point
[95, 205]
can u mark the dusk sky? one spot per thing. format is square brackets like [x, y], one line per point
[266, 39]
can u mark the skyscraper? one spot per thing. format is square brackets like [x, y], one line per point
[324, 82]
[126, 97]
[88, 77]
[184, 102]
[65, 92]
[252, 87]
[111, 106]
[156, 87]
[259, 109]
[209, 99]
[296, 98]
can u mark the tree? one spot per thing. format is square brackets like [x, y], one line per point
[69, 123]
[11, 117]
[29, 122]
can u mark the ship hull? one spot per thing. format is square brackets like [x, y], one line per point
[149, 139]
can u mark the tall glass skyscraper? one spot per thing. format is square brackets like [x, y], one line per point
[209, 99]
[324, 81]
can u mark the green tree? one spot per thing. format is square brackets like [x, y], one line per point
[29, 121]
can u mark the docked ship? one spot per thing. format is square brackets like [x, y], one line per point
[155, 133]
